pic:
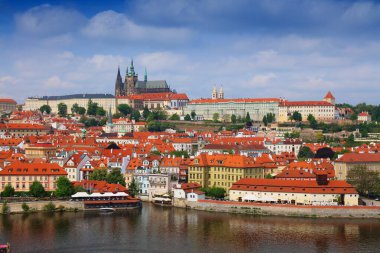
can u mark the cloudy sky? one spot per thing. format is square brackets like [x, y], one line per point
[296, 49]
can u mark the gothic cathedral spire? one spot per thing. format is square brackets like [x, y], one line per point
[118, 84]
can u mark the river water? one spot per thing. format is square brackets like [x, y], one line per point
[157, 229]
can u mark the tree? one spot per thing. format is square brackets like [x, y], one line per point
[81, 110]
[214, 192]
[100, 111]
[350, 141]
[215, 117]
[37, 190]
[271, 117]
[296, 116]
[74, 108]
[325, 153]
[92, 108]
[125, 109]
[133, 188]
[45, 108]
[180, 154]
[115, 177]
[64, 187]
[188, 117]
[305, 152]
[9, 191]
[146, 112]
[265, 121]
[365, 181]
[233, 118]
[175, 116]
[99, 175]
[248, 118]
[136, 115]
[62, 109]
[312, 121]
[193, 114]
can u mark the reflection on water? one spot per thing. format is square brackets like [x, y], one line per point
[178, 230]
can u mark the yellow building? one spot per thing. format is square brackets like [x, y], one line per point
[221, 170]
[351, 160]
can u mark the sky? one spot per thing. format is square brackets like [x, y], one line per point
[295, 49]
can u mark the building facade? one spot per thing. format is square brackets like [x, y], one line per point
[7, 105]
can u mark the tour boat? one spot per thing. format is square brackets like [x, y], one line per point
[162, 200]
[107, 201]
[5, 248]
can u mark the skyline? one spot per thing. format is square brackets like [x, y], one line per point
[297, 50]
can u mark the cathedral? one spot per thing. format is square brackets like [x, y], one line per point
[132, 85]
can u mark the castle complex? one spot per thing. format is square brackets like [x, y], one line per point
[132, 85]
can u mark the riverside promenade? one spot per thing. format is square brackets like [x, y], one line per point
[281, 209]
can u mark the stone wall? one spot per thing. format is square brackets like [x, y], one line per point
[283, 210]
[16, 207]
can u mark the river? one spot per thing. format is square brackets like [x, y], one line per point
[157, 229]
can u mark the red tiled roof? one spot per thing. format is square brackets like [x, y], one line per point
[8, 100]
[296, 186]
[359, 157]
[329, 95]
[234, 100]
[18, 168]
[305, 103]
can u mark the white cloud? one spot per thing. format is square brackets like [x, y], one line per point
[46, 20]
[111, 25]
[54, 82]
[261, 80]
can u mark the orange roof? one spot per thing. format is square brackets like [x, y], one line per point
[296, 186]
[100, 186]
[359, 157]
[231, 161]
[48, 169]
[25, 126]
[329, 95]
[234, 100]
[8, 100]
[305, 103]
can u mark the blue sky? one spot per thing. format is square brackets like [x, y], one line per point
[296, 49]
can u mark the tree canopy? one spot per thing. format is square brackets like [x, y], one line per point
[64, 187]
[133, 188]
[62, 109]
[365, 181]
[9, 191]
[37, 190]
[305, 152]
[45, 108]
[124, 109]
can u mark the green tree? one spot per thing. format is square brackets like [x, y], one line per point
[312, 121]
[99, 175]
[115, 177]
[265, 120]
[136, 115]
[92, 108]
[305, 153]
[74, 108]
[62, 109]
[175, 116]
[45, 108]
[37, 190]
[215, 117]
[125, 109]
[248, 118]
[214, 192]
[233, 118]
[146, 112]
[296, 116]
[64, 187]
[188, 117]
[9, 191]
[133, 188]
[271, 117]
[365, 181]
[350, 141]
[193, 114]
[180, 154]
[100, 111]
[81, 110]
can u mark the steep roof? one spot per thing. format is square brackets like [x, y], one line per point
[359, 157]
[329, 95]
[158, 84]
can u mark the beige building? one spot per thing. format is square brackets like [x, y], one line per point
[351, 160]
[297, 192]
[23, 129]
[7, 105]
[40, 150]
[104, 100]
[322, 110]
[222, 170]
[22, 175]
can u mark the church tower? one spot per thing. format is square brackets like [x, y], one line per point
[214, 93]
[329, 98]
[119, 87]
[130, 81]
[221, 93]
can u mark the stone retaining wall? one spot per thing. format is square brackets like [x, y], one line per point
[283, 210]
[16, 207]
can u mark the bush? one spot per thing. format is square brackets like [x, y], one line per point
[50, 207]
[61, 208]
[9, 191]
[25, 207]
[5, 209]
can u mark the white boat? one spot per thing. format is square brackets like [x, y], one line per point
[107, 210]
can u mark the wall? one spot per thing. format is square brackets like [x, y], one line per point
[39, 205]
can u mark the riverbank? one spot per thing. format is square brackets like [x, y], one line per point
[281, 209]
[40, 206]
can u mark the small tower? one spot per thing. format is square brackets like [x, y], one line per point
[146, 76]
[119, 87]
[329, 98]
[214, 93]
[221, 93]
[109, 126]
[130, 81]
